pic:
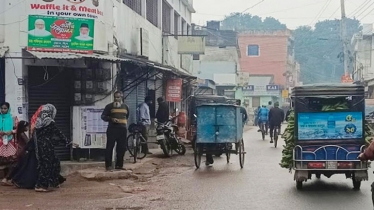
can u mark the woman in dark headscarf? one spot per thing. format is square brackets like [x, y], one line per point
[45, 136]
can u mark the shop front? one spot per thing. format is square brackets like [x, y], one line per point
[71, 82]
[142, 78]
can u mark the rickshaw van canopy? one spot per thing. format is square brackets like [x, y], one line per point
[328, 90]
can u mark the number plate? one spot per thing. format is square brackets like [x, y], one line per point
[332, 165]
[160, 137]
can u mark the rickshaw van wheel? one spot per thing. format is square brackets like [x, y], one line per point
[299, 185]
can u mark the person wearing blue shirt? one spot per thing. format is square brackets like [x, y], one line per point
[263, 116]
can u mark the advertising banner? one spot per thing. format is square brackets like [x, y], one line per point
[330, 126]
[174, 90]
[86, 9]
[60, 34]
[86, 16]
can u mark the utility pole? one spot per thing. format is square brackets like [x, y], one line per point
[343, 29]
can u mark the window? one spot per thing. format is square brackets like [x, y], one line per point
[152, 12]
[176, 25]
[166, 16]
[253, 50]
[183, 27]
[135, 5]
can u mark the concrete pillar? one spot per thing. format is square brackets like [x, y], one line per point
[15, 92]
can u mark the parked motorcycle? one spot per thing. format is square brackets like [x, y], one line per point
[167, 138]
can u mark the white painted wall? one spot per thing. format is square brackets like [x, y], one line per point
[162, 49]
[13, 33]
[127, 31]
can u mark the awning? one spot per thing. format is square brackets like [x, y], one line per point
[142, 61]
[3, 50]
[71, 56]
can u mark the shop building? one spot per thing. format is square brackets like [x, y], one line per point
[77, 58]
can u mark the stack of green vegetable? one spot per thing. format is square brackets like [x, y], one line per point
[289, 133]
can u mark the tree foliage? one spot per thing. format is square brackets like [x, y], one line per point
[244, 21]
[320, 50]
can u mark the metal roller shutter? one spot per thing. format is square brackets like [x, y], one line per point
[56, 90]
[130, 99]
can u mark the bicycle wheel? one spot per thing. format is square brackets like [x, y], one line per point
[130, 144]
[141, 148]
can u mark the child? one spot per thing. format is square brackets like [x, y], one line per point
[21, 141]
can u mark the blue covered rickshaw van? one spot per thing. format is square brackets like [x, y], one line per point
[219, 128]
[329, 132]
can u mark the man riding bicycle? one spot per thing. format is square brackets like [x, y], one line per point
[276, 117]
[263, 118]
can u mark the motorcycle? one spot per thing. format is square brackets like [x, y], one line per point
[167, 138]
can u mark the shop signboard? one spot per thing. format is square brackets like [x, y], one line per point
[60, 34]
[174, 90]
[261, 90]
[86, 16]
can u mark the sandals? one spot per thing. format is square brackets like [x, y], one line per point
[42, 190]
[6, 182]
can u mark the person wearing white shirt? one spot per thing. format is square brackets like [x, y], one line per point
[84, 33]
[144, 118]
[39, 30]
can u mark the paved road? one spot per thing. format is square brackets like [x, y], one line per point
[262, 185]
[173, 183]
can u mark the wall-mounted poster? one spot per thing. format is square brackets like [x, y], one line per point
[60, 34]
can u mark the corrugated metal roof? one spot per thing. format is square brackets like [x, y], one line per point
[69, 56]
[259, 80]
[3, 50]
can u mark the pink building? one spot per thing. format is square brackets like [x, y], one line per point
[267, 53]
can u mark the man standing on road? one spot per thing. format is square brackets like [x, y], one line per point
[116, 114]
[162, 114]
[276, 117]
[144, 118]
[243, 111]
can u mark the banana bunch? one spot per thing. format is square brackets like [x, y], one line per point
[368, 133]
[289, 139]
[337, 106]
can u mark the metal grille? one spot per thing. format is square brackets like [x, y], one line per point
[166, 16]
[152, 12]
[135, 5]
[57, 92]
[176, 25]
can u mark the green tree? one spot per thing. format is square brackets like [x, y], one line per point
[245, 21]
[319, 51]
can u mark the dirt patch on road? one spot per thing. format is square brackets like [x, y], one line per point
[144, 187]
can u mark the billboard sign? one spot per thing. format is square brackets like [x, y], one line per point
[60, 34]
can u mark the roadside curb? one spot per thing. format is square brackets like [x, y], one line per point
[131, 171]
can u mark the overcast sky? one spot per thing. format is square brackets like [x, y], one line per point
[291, 12]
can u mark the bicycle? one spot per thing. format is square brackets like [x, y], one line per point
[135, 142]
